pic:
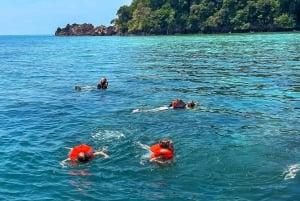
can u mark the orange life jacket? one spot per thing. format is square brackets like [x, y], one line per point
[86, 149]
[157, 151]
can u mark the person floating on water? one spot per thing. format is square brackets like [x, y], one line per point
[103, 84]
[176, 104]
[82, 154]
[179, 104]
[161, 152]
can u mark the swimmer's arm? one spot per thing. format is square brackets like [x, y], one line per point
[152, 110]
[63, 163]
[162, 108]
[143, 145]
[136, 110]
[157, 160]
[88, 87]
[97, 153]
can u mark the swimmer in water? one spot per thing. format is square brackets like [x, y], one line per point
[161, 152]
[103, 84]
[176, 104]
[82, 154]
[179, 104]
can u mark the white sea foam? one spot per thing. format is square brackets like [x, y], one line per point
[151, 110]
[136, 110]
[291, 171]
[108, 135]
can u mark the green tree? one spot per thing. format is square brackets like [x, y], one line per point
[141, 21]
[285, 21]
[292, 8]
[194, 16]
[266, 10]
[240, 22]
[165, 19]
[124, 15]
[199, 13]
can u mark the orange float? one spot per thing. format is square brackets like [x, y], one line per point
[157, 151]
[86, 149]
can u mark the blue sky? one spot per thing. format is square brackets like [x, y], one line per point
[18, 17]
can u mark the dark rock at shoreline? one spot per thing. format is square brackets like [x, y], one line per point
[85, 30]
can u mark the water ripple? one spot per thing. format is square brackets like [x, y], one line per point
[241, 142]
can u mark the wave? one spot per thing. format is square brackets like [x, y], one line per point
[108, 135]
[291, 171]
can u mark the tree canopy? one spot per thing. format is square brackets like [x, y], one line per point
[206, 16]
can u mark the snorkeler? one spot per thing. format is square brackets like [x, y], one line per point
[161, 152]
[176, 104]
[103, 84]
[179, 104]
[82, 154]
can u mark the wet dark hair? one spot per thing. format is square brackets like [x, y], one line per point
[78, 88]
[191, 104]
[166, 143]
[83, 158]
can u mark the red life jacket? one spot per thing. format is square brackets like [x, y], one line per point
[87, 150]
[178, 104]
[158, 151]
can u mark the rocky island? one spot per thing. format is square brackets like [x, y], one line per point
[85, 30]
[152, 17]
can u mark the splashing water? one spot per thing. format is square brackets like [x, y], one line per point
[291, 171]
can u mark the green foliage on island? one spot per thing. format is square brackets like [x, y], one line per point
[147, 17]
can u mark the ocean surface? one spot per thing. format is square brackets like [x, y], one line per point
[241, 142]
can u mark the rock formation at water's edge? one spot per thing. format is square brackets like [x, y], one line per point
[85, 30]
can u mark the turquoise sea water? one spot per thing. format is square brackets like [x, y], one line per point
[240, 143]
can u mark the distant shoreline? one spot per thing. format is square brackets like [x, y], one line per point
[90, 30]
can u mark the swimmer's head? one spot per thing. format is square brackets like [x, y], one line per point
[167, 144]
[103, 80]
[82, 157]
[78, 88]
[191, 104]
[102, 84]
